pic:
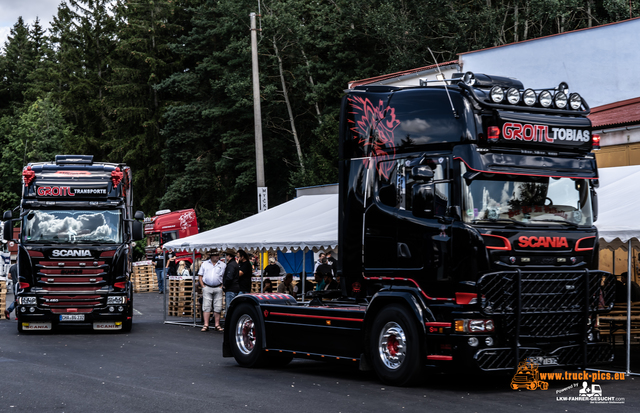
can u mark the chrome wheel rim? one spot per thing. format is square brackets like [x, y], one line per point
[245, 334]
[392, 345]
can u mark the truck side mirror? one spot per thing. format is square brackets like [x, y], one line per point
[7, 230]
[594, 204]
[7, 216]
[138, 215]
[423, 200]
[137, 230]
[422, 173]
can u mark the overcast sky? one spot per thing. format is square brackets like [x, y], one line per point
[10, 10]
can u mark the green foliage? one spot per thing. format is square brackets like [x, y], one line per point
[166, 86]
[37, 135]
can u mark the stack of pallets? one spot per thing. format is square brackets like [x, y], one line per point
[3, 298]
[180, 295]
[144, 277]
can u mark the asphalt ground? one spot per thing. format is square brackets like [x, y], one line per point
[171, 368]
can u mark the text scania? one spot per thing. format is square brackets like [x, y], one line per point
[71, 253]
[540, 133]
[543, 242]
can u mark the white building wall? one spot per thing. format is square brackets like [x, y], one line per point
[601, 63]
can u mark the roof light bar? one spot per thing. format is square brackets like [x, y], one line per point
[497, 94]
[529, 97]
[575, 101]
[513, 96]
[544, 98]
[560, 100]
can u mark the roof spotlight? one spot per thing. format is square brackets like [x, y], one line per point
[575, 101]
[513, 95]
[560, 100]
[497, 94]
[545, 98]
[529, 97]
[469, 78]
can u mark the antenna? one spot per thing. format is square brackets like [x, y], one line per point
[455, 114]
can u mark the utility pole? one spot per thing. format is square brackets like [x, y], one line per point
[263, 203]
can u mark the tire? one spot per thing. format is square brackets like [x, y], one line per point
[395, 350]
[127, 325]
[20, 329]
[245, 336]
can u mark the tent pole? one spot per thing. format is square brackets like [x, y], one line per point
[164, 283]
[629, 307]
[304, 273]
[194, 301]
[613, 269]
[261, 268]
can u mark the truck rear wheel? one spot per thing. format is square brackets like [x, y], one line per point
[395, 349]
[246, 336]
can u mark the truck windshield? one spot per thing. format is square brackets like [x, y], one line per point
[524, 200]
[72, 227]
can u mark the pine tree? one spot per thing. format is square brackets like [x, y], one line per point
[140, 61]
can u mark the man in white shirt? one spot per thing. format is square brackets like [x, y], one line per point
[210, 278]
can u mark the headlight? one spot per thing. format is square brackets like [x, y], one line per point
[116, 300]
[497, 94]
[575, 101]
[474, 326]
[513, 95]
[529, 97]
[545, 98]
[27, 300]
[560, 100]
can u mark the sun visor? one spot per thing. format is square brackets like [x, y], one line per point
[527, 164]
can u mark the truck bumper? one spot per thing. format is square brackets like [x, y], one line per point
[46, 320]
[503, 359]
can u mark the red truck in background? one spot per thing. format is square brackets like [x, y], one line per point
[166, 226]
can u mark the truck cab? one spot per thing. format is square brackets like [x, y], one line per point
[74, 246]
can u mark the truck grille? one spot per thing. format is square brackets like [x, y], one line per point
[546, 304]
[72, 283]
[535, 309]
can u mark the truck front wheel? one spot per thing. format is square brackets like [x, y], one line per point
[394, 346]
[246, 336]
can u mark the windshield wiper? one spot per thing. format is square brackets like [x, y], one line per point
[571, 224]
[499, 221]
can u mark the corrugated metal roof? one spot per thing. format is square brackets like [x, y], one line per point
[616, 113]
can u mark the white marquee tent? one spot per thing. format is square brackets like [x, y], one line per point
[618, 199]
[618, 223]
[309, 221]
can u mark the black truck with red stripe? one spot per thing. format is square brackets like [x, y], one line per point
[75, 245]
[466, 238]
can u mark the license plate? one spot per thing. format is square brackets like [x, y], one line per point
[108, 325]
[36, 326]
[71, 317]
[546, 361]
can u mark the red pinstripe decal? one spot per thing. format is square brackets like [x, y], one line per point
[439, 357]
[413, 281]
[437, 324]
[583, 249]
[318, 316]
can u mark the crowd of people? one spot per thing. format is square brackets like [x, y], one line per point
[229, 274]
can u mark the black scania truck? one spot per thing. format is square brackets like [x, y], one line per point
[74, 250]
[466, 238]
